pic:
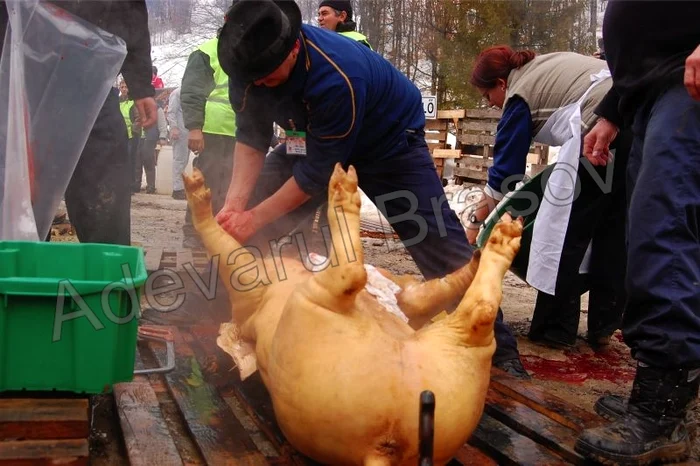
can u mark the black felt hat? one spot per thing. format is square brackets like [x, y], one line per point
[257, 36]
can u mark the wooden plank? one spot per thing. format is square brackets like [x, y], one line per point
[474, 162]
[217, 432]
[470, 456]
[152, 258]
[169, 259]
[436, 136]
[482, 113]
[146, 435]
[479, 139]
[545, 403]
[534, 425]
[508, 447]
[435, 145]
[446, 153]
[468, 173]
[451, 114]
[473, 125]
[44, 452]
[251, 393]
[184, 256]
[37, 418]
[436, 125]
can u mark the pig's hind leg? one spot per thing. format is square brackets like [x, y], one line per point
[336, 286]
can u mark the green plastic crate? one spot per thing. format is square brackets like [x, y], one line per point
[67, 320]
[520, 204]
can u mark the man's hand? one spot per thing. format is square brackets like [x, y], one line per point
[148, 111]
[240, 225]
[691, 78]
[195, 141]
[596, 144]
[175, 134]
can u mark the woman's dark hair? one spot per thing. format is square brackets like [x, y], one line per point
[497, 62]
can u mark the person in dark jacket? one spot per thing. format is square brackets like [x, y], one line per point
[339, 103]
[653, 51]
[98, 197]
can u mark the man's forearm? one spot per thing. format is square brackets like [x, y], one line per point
[287, 198]
[247, 164]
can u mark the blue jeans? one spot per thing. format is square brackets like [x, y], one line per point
[410, 196]
[661, 323]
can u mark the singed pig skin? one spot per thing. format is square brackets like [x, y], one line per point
[344, 374]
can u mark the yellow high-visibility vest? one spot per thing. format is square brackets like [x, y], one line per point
[219, 117]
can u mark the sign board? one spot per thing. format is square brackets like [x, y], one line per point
[430, 107]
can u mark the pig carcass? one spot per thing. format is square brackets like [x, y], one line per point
[345, 374]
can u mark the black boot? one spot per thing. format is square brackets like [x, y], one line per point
[612, 407]
[652, 427]
[513, 367]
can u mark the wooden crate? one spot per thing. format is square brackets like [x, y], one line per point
[43, 428]
[477, 137]
[202, 413]
[436, 136]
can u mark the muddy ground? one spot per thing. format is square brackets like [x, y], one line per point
[578, 375]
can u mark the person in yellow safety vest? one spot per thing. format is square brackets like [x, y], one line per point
[133, 129]
[211, 123]
[336, 15]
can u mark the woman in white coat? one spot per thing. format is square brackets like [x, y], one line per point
[551, 98]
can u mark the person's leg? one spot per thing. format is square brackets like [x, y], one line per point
[555, 319]
[661, 323]
[607, 295]
[98, 198]
[181, 155]
[412, 199]
[148, 159]
[216, 164]
[138, 166]
[134, 145]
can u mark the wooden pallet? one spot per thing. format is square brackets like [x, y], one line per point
[522, 424]
[202, 413]
[36, 430]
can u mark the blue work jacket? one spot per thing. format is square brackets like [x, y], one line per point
[354, 106]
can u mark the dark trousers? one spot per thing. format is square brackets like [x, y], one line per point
[597, 216]
[98, 198]
[145, 161]
[134, 145]
[411, 197]
[216, 164]
[661, 323]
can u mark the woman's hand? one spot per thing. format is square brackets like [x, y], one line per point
[472, 233]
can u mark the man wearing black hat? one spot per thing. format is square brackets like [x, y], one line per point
[338, 102]
[336, 15]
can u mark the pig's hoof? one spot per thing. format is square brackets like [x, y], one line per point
[342, 190]
[505, 237]
[198, 195]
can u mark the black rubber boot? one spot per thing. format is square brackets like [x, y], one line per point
[652, 428]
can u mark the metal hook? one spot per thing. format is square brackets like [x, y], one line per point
[426, 428]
